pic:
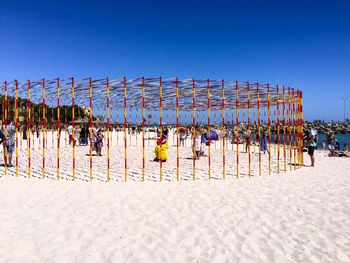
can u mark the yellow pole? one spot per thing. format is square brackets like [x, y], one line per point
[43, 128]
[16, 126]
[237, 131]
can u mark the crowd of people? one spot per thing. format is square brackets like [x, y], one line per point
[82, 134]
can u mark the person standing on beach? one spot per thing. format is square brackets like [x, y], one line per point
[9, 142]
[311, 141]
[70, 133]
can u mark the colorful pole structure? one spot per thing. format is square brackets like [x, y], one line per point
[143, 129]
[259, 133]
[294, 130]
[52, 129]
[65, 123]
[90, 122]
[108, 132]
[237, 131]
[301, 128]
[194, 133]
[6, 115]
[73, 129]
[284, 130]
[290, 130]
[160, 127]
[16, 125]
[177, 130]
[278, 132]
[209, 141]
[249, 132]
[223, 130]
[28, 127]
[58, 128]
[125, 137]
[43, 124]
[269, 125]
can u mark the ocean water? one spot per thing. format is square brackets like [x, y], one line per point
[342, 138]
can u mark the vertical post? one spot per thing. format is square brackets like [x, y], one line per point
[278, 132]
[90, 122]
[284, 129]
[108, 132]
[223, 130]
[58, 128]
[269, 125]
[177, 130]
[301, 128]
[249, 132]
[52, 130]
[259, 134]
[28, 127]
[209, 141]
[194, 133]
[143, 129]
[6, 115]
[16, 126]
[73, 130]
[290, 130]
[237, 131]
[43, 127]
[66, 124]
[160, 128]
[125, 137]
[294, 130]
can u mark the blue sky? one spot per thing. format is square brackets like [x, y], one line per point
[303, 44]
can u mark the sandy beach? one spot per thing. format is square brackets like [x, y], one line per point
[298, 216]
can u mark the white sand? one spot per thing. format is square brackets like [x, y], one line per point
[298, 216]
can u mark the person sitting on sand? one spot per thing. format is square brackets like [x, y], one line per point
[161, 149]
[346, 147]
[335, 153]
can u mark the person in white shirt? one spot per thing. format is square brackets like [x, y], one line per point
[311, 141]
[70, 133]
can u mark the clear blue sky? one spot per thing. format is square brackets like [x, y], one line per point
[303, 44]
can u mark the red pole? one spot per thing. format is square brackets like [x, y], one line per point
[125, 137]
[73, 129]
[108, 131]
[90, 120]
[28, 127]
[160, 127]
[143, 129]
[194, 133]
[177, 130]
[237, 132]
[43, 127]
[223, 128]
[209, 141]
[58, 128]
[16, 125]
[269, 125]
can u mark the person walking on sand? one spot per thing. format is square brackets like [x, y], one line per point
[311, 142]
